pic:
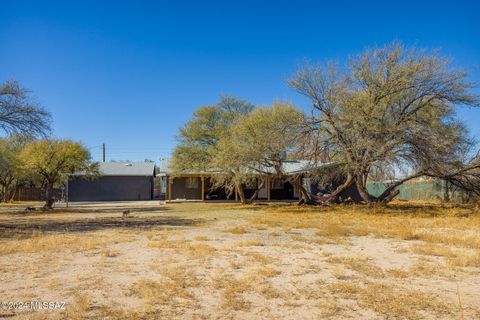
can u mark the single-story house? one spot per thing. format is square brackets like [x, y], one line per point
[199, 186]
[118, 181]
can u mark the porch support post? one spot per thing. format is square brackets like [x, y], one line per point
[268, 188]
[203, 188]
[169, 186]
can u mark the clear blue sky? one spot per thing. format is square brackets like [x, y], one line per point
[130, 73]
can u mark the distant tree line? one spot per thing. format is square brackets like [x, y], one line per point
[391, 108]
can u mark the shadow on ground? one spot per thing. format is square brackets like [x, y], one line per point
[77, 210]
[24, 227]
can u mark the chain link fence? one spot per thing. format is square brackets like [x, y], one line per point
[432, 190]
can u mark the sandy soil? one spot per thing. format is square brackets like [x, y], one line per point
[217, 261]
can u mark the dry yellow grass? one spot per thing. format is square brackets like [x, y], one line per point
[109, 253]
[261, 258]
[397, 273]
[249, 243]
[42, 242]
[194, 250]
[173, 289]
[402, 303]
[455, 257]
[271, 261]
[433, 223]
[236, 230]
[393, 301]
[344, 288]
[359, 264]
[235, 288]
[78, 309]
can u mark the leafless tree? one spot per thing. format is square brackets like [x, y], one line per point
[392, 106]
[19, 113]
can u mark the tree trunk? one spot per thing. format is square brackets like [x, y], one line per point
[6, 189]
[2, 193]
[48, 196]
[344, 186]
[386, 195]
[304, 196]
[241, 194]
[446, 196]
[255, 194]
[14, 192]
[362, 189]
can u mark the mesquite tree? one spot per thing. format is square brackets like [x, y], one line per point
[199, 139]
[50, 161]
[19, 114]
[392, 106]
[11, 173]
[256, 146]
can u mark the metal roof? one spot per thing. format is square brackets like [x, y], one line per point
[298, 166]
[288, 167]
[127, 168]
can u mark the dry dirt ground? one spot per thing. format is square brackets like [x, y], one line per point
[217, 261]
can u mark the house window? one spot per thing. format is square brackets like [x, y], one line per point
[191, 183]
[277, 183]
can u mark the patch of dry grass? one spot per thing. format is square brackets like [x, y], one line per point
[182, 246]
[393, 301]
[79, 307]
[430, 222]
[345, 288]
[249, 243]
[256, 279]
[397, 273]
[261, 258]
[233, 290]
[433, 250]
[464, 259]
[423, 268]
[402, 303]
[362, 265]
[43, 242]
[456, 257]
[268, 291]
[236, 230]
[173, 289]
[329, 307]
[109, 253]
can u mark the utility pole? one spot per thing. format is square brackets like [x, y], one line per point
[103, 148]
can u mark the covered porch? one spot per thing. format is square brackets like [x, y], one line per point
[199, 187]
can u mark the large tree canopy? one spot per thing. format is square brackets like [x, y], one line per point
[52, 160]
[257, 145]
[11, 173]
[19, 113]
[392, 106]
[199, 137]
